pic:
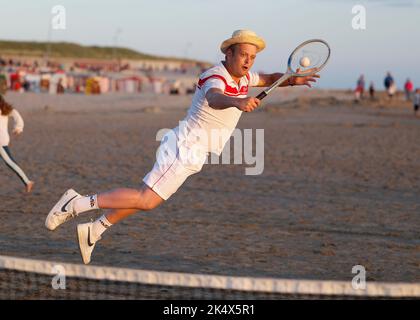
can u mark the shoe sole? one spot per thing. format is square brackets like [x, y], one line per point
[81, 235]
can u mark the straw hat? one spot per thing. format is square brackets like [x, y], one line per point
[243, 36]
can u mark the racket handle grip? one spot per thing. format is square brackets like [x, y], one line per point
[261, 96]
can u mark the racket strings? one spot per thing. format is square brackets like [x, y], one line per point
[316, 52]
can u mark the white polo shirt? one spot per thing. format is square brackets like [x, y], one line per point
[202, 116]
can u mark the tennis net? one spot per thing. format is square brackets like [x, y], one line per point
[37, 279]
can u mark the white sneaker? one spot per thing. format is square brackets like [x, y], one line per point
[63, 210]
[86, 244]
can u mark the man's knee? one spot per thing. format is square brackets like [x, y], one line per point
[149, 204]
[149, 200]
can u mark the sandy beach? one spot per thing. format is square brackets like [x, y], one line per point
[340, 187]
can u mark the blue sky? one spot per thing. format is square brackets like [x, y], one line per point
[195, 28]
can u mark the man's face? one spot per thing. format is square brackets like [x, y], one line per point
[240, 58]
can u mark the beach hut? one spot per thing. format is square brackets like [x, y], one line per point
[45, 82]
[92, 86]
[34, 81]
[104, 83]
[58, 83]
[3, 84]
[15, 84]
[130, 84]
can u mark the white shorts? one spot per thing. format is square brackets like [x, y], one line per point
[176, 161]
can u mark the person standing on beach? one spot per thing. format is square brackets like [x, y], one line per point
[416, 102]
[6, 111]
[408, 89]
[218, 103]
[360, 88]
[389, 85]
[361, 85]
[372, 90]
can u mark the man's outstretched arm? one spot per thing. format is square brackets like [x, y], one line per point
[218, 100]
[267, 80]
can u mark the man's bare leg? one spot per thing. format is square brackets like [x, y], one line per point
[130, 200]
[125, 202]
[72, 204]
[116, 215]
[141, 199]
[148, 200]
[123, 198]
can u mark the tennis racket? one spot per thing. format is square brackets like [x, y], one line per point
[316, 51]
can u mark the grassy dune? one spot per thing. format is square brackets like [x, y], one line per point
[74, 50]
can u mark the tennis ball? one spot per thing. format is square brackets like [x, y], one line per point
[305, 62]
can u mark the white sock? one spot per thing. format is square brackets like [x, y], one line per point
[99, 226]
[85, 204]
